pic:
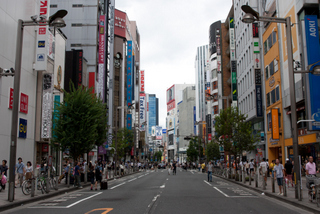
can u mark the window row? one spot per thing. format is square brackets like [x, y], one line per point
[271, 68]
[273, 96]
[247, 103]
[269, 42]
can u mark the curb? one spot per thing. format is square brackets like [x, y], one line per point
[310, 209]
[50, 195]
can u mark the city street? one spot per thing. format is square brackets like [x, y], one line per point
[157, 192]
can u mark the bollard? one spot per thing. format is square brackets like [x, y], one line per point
[250, 178]
[55, 183]
[32, 187]
[273, 187]
[256, 179]
[284, 188]
[243, 177]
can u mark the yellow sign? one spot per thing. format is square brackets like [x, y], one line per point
[106, 210]
[275, 123]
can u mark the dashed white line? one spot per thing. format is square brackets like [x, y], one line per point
[132, 179]
[117, 185]
[221, 192]
[207, 182]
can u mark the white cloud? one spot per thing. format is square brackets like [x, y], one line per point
[170, 32]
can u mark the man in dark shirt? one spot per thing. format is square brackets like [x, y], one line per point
[288, 169]
[174, 165]
[77, 175]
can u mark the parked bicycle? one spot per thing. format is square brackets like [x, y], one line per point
[313, 185]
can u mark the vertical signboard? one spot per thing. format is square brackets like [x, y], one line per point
[129, 81]
[142, 81]
[78, 68]
[194, 121]
[46, 106]
[101, 56]
[22, 128]
[24, 99]
[218, 50]
[41, 48]
[159, 132]
[259, 110]
[171, 104]
[142, 111]
[232, 39]
[313, 52]
[92, 78]
[55, 111]
[275, 124]
[234, 80]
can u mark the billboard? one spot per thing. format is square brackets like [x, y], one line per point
[47, 103]
[158, 133]
[101, 56]
[170, 138]
[119, 23]
[313, 52]
[275, 124]
[142, 81]
[142, 111]
[129, 81]
[170, 94]
[152, 112]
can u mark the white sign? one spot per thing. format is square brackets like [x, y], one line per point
[232, 40]
[47, 102]
[158, 132]
[42, 39]
[142, 111]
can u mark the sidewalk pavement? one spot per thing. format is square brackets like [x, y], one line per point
[21, 199]
[290, 198]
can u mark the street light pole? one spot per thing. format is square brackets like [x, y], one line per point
[15, 111]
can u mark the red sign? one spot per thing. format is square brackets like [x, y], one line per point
[101, 39]
[91, 153]
[24, 103]
[10, 98]
[255, 30]
[92, 80]
[120, 23]
[141, 81]
[45, 147]
[209, 137]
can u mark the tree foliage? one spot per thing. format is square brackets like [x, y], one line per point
[193, 149]
[234, 132]
[80, 122]
[213, 151]
[158, 155]
[124, 140]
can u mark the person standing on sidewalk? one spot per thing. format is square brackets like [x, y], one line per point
[279, 170]
[3, 171]
[272, 164]
[20, 168]
[251, 166]
[288, 170]
[209, 169]
[174, 167]
[77, 175]
[264, 169]
[311, 167]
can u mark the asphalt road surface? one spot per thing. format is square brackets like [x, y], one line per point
[160, 193]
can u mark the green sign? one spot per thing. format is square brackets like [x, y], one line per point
[234, 85]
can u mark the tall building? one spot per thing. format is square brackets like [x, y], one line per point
[201, 80]
[153, 109]
[248, 67]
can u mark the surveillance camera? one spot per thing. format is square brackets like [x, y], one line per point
[43, 17]
[34, 17]
[6, 70]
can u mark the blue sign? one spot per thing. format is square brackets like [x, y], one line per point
[164, 131]
[41, 44]
[22, 128]
[313, 52]
[152, 112]
[130, 67]
[106, 146]
[150, 150]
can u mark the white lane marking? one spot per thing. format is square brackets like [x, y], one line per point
[132, 179]
[221, 192]
[64, 207]
[140, 176]
[167, 179]
[207, 182]
[117, 185]
[163, 186]
[192, 172]
[83, 199]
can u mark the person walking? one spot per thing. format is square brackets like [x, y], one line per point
[3, 172]
[209, 169]
[311, 167]
[174, 168]
[20, 169]
[97, 172]
[29, 170]
[288, 171]
[91, 175]
[263, 167]
[77, 174]
[279, 170]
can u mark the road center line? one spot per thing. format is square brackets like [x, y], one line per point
[221, 192]
[117, 185]
[207, 182]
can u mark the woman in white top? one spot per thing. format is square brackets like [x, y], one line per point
[29, 170]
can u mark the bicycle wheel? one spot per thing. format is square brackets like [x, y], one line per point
[43, 186]
[26, 187]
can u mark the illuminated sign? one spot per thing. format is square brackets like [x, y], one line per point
[22, 128]
[275, 124]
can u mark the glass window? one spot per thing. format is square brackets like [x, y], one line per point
[276, 68]
[274, 37]
[265, 46]
[267, 72]
[271, 68]
[273, 96]
[268, 99]
[269, 42]
[277, 93]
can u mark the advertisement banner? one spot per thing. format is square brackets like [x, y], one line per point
[119, 23]
[101, 54]
[24, 103]
[22, 128]
[313, 52]
[170, 94]
[42, 37]
[129, 81]
[194, 121]
[142, 81]
[259, 101]
[158, 132]
[79, 58]
[171, 106]
[142, 111]
[275, 124]
[47, 102]
[234, 80]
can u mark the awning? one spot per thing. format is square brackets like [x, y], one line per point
[305, 139]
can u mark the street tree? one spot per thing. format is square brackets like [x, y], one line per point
[234, 132]
[193, 150]
[158, 155]
[213, 151]
[80, 122]
[124, 140]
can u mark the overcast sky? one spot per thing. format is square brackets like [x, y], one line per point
[170, 32]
